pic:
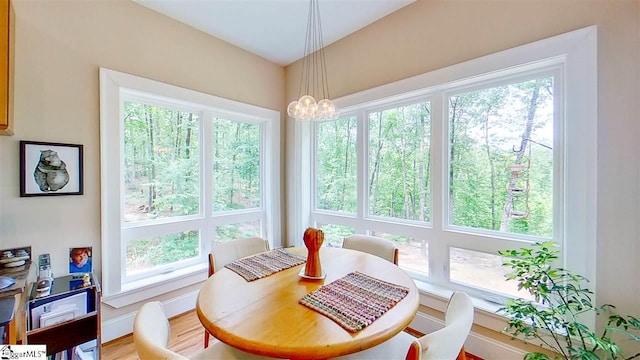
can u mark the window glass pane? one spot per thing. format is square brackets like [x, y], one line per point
[412, 254]
[482, 270]
[399, 162]
[148, 253]
[501, 158]
[161, 162]
[336, 165]
[236, 165]
[230, 232]
[335, 234]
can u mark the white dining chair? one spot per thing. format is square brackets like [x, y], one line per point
[228, 252]
[444, 344]
[151, 333]
[374, 245]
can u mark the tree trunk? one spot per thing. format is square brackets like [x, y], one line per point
[452, 131]
[421, 166]
[531, 113]
[175, 185]
[494, 221]
[187, 141]
[152, 167]
[403, 153]
[346, 165]
[376, 166]
[233, 166]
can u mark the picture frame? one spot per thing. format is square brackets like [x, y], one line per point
[50, 169]
[80, 260]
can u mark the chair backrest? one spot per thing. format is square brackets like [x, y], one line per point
[446, 343]
[374, 245]
[151, 331]
[223, 254]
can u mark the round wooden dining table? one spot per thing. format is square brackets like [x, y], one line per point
[264, 317]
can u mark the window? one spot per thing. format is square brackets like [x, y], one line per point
[459, 163]
[181, 170]
[336, 165]
[161, 183]
[398, 158]
[500, 145]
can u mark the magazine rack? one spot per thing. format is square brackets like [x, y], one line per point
[68, 317]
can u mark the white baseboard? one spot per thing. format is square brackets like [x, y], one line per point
[476, 344]
[123, 325]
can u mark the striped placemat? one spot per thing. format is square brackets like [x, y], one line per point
[264, 264]
[355, 300]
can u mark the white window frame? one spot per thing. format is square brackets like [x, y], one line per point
[115, 88]
[573, 56]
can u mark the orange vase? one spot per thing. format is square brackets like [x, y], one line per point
[313, 239]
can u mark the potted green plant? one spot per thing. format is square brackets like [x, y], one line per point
[560, 300]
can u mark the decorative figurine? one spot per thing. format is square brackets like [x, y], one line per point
[313, 239]
[86, 280]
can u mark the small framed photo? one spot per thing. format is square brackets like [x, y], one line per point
[48, 169]
[80, 260]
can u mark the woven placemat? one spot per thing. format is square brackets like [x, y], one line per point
[264, 264]
[355, 300]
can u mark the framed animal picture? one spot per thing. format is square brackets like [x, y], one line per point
[48, 169]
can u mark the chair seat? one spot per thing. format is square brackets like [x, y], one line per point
[394, 348]
[219, 350]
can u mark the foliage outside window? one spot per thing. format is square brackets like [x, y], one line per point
[496, 176]
[162, 160]
[236, 165]
[498, 170]
[230, 232]
[334, 234]
[505, 159]
[180, 171]
[399, 162]
[336, 165]
[501, 158]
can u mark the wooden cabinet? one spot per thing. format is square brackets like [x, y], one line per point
[63, 334]
[7, 20]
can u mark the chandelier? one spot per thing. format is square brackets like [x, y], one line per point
[313, 80]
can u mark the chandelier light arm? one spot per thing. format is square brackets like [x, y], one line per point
[323, 64]
[316, 35]
[305, 61]
[316, 104]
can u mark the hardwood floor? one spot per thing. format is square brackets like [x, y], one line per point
[187, 337]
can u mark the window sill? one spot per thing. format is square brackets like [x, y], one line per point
[436, 297]
[157, 285]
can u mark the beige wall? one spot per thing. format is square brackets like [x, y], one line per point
[431, 34]
[59, 47]
[61, 44]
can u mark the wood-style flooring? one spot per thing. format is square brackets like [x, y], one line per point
[187, 337]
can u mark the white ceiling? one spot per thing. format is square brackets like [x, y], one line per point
[274, 29]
